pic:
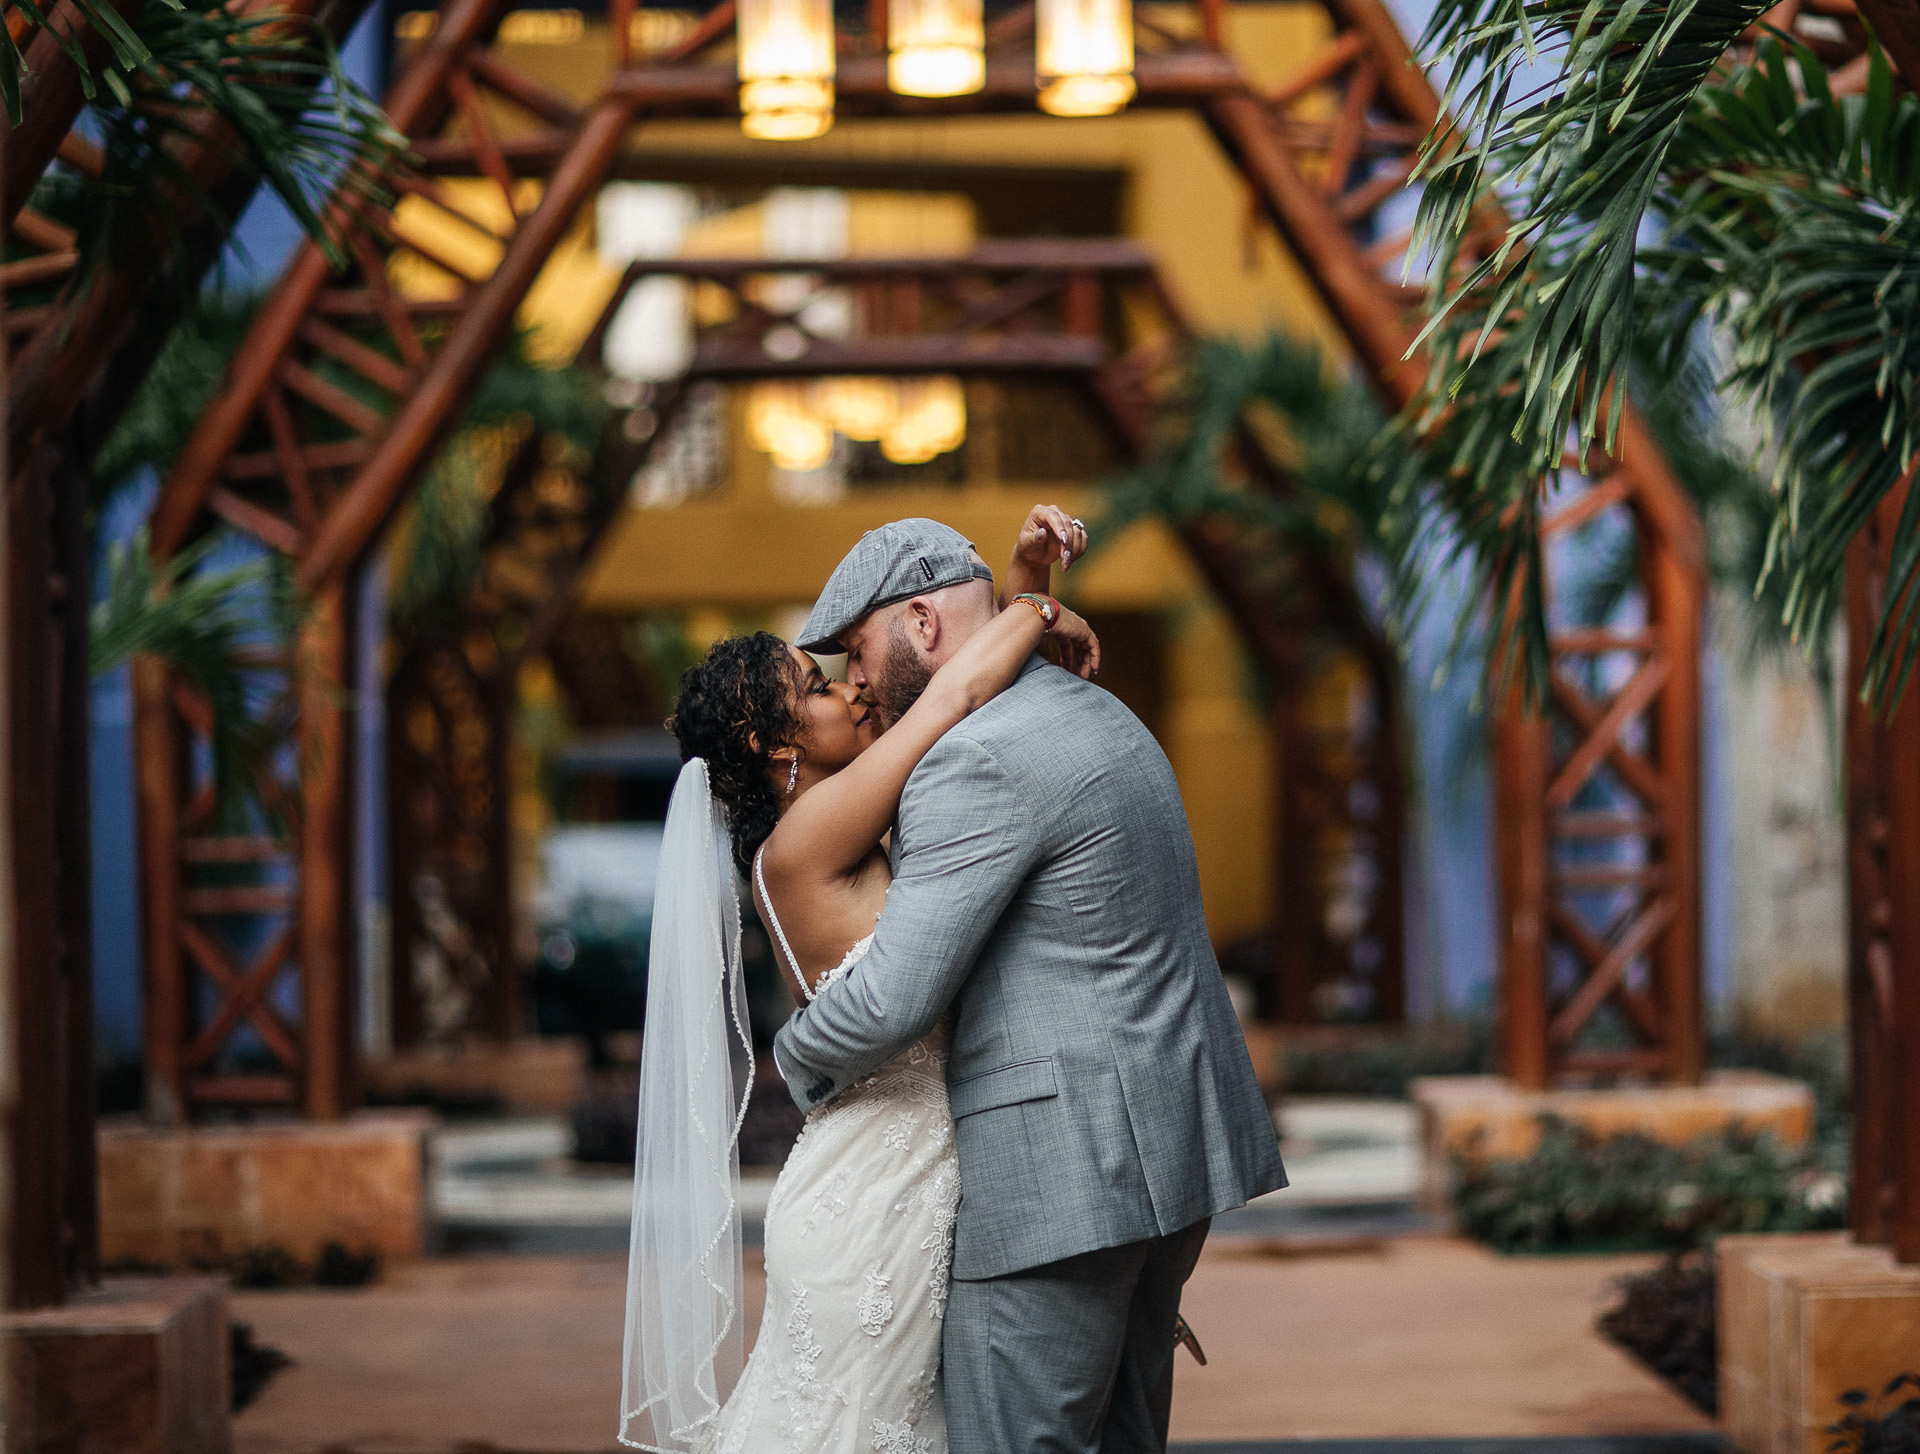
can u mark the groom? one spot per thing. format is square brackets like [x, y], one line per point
[1105, 1110]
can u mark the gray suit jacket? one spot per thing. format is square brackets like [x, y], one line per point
[1045, 885]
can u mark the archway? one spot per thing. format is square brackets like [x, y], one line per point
[313, 469]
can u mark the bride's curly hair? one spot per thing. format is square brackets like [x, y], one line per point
[745, 690]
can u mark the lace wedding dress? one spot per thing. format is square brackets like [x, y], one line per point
[859, 1237]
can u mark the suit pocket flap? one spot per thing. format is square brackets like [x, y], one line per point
[1030, 1080]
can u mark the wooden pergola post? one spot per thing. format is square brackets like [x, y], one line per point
[322, 675]
[51, 1228]
[1883, 877]
[1518, 744]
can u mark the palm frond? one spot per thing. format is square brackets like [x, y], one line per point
[159, 419]
[1579, 160]
[1526, 346]
[301, 124]
[210, 627]
[1305, 424]
[128, 50]
[1308, 420]
[442, 543]
[1793, 225]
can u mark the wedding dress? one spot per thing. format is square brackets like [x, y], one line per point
[858, 1241]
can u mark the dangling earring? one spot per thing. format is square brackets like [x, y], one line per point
[793, 776]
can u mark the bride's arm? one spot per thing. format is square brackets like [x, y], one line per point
[830, 831]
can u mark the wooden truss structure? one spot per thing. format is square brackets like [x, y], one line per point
[1017, 310]
[344, 386]
[450, 710]
[72, 356]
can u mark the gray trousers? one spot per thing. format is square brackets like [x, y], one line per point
[1072, 1357]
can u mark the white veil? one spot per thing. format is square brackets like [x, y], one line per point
[683, 1347]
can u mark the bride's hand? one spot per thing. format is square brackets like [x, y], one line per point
[1076, 647]
[1050, 534]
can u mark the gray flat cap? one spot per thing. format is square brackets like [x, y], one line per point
[907, 558]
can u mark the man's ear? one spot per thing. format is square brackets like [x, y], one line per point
[923, 624]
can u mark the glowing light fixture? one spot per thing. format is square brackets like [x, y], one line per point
[786, 68]
[912, 419]
[1084, 56]
[932, 420]
[859, 406]
[935, 47]
[780, 423]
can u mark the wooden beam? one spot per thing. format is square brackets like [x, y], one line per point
[417, 103]
[325, 991]
[1883, 981]
[1173, 78]
[746, 358]
[52, 96]
[429, 411]
[1519, 741]
[37, 1255]
[71, 745]
[157, 754]
[1332, 260]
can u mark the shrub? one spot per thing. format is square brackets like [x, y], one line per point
[253, 1364]
[1384, 1064]
[1580, 1191]
[272, 1265]
[1894, 1430]
[258, 1267]
[338, 1267]
[1665, 1318]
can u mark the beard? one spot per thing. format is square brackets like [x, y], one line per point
[901, 678]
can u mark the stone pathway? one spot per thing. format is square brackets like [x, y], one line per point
[1597, 1444]
[1416, 1339]
[1335, 1320]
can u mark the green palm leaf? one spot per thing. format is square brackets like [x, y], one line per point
[1579, 167]
[1789, 226]
[302, 126]
[211, 628]
[129, 51]
[1793, 226]
[1280, 398]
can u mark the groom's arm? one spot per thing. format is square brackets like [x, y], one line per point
[970, 844]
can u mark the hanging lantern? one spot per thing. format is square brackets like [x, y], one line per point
[859, 406]
[1084, 56]
[786, 68]
[931, 421]
[935, 47]
[780, 424]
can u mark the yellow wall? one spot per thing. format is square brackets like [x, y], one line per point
[741, 550]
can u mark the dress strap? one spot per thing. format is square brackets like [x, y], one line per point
[766, 901]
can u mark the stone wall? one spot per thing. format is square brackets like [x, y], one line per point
[1787, 841]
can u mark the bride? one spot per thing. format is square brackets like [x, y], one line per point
[787, 781]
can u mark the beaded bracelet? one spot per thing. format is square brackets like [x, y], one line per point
[1048, 608]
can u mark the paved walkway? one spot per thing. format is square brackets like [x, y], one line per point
[1409, 1338]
